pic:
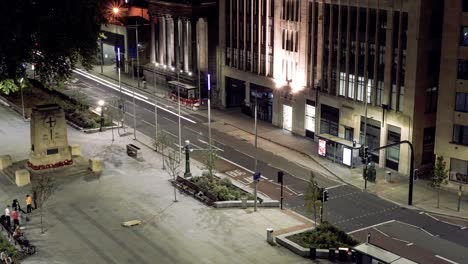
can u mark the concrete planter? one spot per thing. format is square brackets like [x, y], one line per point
[250, 203]
[296, 248]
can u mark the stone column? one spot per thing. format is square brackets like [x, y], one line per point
[153, 41]
[202, 39]
[170, 41]
[186, 30]
[190, 46]
[162, 40]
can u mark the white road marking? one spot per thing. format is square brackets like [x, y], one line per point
[394, 238]
[233, 163]
[127, 92]
[446, 259]
[437, 219]
[170, 120]
[420, 228]
[335, 186]
[148, 123]
[193, 130]
[206, 143]
[372, 226]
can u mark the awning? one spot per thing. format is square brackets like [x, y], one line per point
[338, 140]
[183, 85]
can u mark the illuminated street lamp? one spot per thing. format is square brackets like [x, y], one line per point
[100, 109]
[21, 92]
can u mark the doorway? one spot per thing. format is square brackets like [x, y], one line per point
[287, 117]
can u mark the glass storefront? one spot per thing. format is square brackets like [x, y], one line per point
[458, 171]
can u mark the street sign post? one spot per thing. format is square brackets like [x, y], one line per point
[280, 180]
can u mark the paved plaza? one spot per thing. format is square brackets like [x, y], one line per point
[83, 219]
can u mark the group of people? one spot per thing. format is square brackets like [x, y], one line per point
[13, 215]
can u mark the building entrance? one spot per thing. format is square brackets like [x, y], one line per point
[235, 92]
[264, 97]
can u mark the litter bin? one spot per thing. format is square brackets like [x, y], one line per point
[312, 252]
[371, 172]
[270, 236]
[331, 254]
[388, 176]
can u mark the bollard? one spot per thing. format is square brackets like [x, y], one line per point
[312, 252]
[270, 236]
[244, 202]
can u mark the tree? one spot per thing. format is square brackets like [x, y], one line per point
[312, 197]
[210, 162]
[8, 86]
[440, 176]
[173, 167]
[53, 34]
[160, 143]
[43, 188]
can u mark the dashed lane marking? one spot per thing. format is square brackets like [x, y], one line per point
[446, 259]
[372, 226]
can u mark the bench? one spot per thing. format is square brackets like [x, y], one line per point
[133, 151]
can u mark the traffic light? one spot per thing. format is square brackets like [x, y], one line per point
[280, 176]
[325, 195]
[320, 194]
[364, 154]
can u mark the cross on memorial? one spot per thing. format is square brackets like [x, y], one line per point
[52, 121]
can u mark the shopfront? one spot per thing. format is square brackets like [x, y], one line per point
[338, 150]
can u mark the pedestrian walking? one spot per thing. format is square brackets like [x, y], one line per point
[16, 205]
[29, 201]
[15, 217]
[7, 216]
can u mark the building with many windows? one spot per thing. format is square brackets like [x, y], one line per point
[317, 68]
[452, 116]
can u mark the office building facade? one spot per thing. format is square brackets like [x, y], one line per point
[314, 67]
[452, 116]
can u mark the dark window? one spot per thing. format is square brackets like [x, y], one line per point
[431, 100]
[460, 135]
[463, 69]
[461, 102]
[329, 119]
[464, 36]
[465, 5]
[55, 151]
[349, 133]
[428, 145]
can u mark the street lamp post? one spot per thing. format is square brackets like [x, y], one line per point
[180, 126]
[256, 155]
[137, 56]
[101, 110]
[209, 120]
[21, 92]
[187, 159]
[155, 106]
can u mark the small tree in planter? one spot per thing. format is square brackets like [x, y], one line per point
[440, 176]
[312, 197]
[211, 157]
[173, 167]
[160, 143]
[43, 187]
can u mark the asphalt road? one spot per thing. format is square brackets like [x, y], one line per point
[349, 208]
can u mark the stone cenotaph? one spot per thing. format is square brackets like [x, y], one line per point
[49, 142]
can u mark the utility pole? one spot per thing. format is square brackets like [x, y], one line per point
[209, 120]
[256, 157]
[155, 106]
[411, 176]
